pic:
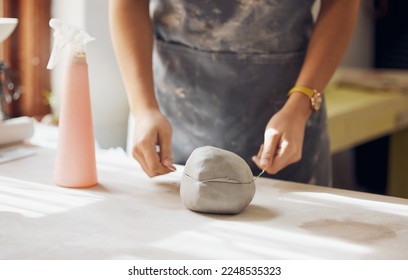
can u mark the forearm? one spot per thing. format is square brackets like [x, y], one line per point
[330, 38]
[132, 37]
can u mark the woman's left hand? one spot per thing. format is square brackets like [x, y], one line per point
[284, 134]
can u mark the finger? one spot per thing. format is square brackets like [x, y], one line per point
[138, 156]
[153, 161]
[282, 158]
[256, 159]
[272, 138]
[145, 153]
[165, 150]
[260, 151]
[167, 162]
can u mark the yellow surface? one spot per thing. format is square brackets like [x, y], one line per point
[356, 116]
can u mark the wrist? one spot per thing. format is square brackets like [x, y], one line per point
[140, 108]
[299, 104]
[141, 111]
[143, 104]
[314, 96]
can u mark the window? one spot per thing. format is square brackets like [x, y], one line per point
[26, 54]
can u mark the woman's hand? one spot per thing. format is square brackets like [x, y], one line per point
[284, 134]
[152, 129]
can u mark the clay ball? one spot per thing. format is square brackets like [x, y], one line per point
[216, 181]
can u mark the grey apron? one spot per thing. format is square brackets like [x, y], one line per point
[222, 68]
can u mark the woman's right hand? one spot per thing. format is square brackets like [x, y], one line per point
[152, 129]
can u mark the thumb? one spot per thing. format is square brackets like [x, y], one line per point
[271, 141]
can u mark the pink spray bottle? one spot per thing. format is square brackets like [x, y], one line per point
[75, 164]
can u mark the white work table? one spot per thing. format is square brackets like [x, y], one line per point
[130, 216]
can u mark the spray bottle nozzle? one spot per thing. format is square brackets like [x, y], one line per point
[66, 35]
